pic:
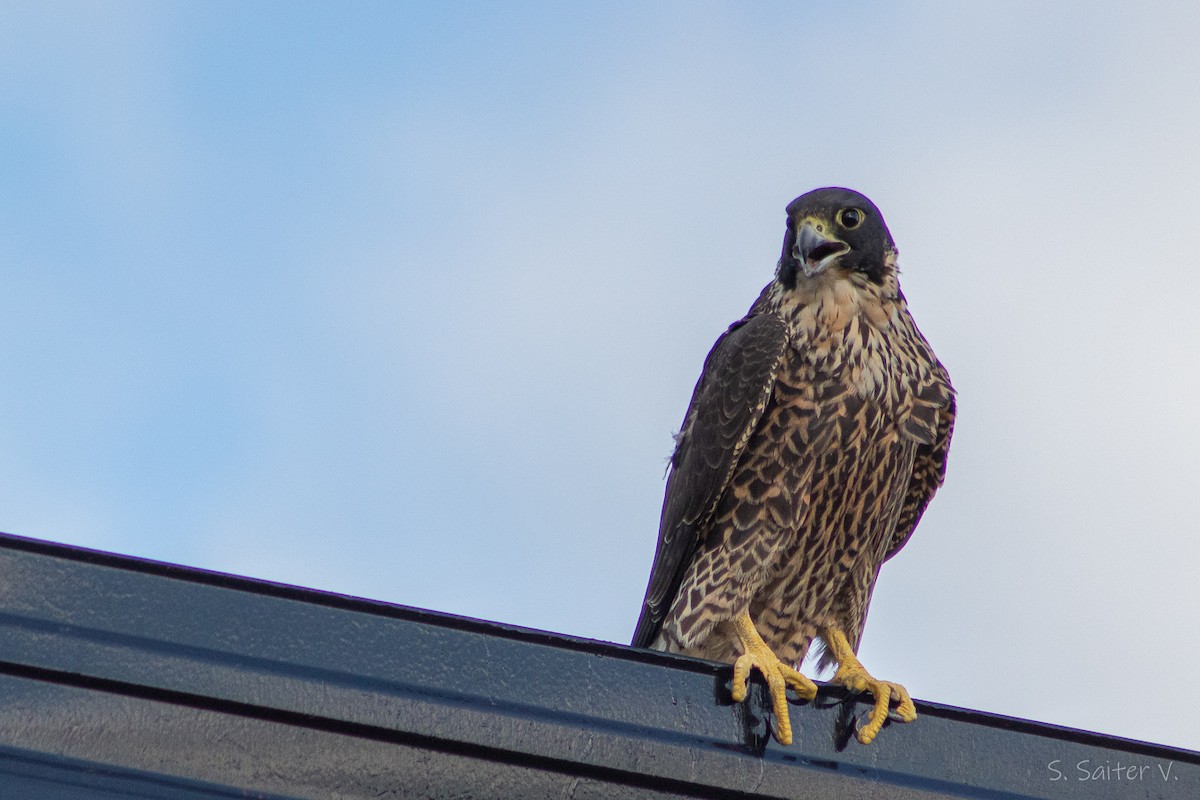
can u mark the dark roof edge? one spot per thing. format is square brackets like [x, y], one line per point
[533, 635]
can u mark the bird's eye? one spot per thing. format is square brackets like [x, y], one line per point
[850, 218]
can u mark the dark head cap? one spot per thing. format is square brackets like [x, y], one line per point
[835, 228]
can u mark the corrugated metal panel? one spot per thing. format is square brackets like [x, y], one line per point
[124, 678]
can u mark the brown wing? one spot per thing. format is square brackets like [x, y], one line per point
[726, 406]
[931, 424]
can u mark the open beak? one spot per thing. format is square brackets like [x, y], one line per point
[814, 251]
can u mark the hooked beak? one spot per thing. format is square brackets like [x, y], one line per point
[814, 251]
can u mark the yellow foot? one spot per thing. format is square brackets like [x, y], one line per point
[779, 676]
[854, 676]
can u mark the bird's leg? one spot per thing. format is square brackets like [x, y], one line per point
[755, 653]
[854, 676]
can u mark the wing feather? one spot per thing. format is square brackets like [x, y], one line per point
[935, 404]
[727, 405]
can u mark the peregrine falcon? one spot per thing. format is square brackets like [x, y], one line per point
[815, 438]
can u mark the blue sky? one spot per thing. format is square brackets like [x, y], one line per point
[405, 302]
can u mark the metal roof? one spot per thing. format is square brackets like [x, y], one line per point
[126, 678]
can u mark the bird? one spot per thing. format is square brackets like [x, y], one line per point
[816, 436]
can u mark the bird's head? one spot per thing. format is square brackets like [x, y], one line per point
[835, 229]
